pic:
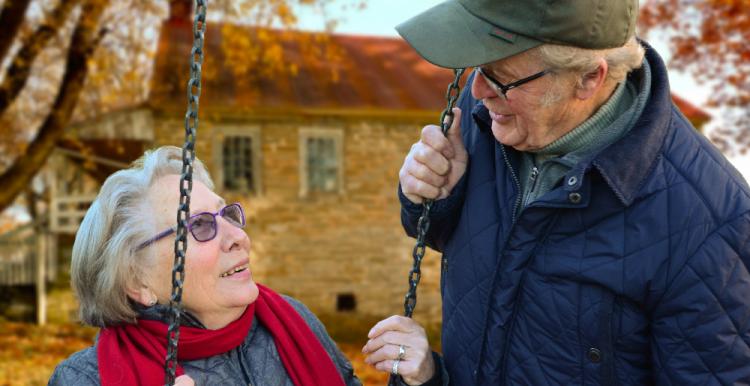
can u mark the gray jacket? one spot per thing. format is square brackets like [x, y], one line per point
[254, 362]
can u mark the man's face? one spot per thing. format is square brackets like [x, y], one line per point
[535, 113]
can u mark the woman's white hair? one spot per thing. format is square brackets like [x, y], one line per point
[105, 261]
[581, 61]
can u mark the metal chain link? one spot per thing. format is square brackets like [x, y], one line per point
[186, 187]
[410, 300]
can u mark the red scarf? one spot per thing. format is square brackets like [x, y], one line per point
[133, 354]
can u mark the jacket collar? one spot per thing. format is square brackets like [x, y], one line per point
[643, 144]
[161, 313]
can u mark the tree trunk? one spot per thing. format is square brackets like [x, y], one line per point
[85, 39]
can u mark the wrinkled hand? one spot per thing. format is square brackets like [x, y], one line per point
[184, 380]
[435, 163]
[417, 366]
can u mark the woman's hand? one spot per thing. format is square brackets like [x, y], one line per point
[184, 380]
[416, 365]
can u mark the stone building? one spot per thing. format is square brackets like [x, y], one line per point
[313, 157]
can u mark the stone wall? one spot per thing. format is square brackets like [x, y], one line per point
[321, 246]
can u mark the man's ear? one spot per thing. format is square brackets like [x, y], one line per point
[142, 294]
[593, 81]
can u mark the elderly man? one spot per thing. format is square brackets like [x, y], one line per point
[590, 235]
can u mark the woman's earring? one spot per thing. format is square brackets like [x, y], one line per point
[153, 301]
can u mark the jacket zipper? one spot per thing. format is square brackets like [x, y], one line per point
[518, 186]
[499, 264]
[532, 180]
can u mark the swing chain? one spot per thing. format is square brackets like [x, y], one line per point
[186, 187]
[410, 301]
[423, 225]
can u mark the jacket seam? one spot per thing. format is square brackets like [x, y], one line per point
[703, 362]
[728, 173]
[698, 250]
[80, 372]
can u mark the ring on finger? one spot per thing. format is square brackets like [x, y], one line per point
[394, 369]
[401, 352]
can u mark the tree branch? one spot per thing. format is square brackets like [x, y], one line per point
[84, 41]
[11, 18]
[20, 68]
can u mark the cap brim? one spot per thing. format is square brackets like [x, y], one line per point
[448, 35]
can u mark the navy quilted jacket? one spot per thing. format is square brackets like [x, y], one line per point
[635, 272]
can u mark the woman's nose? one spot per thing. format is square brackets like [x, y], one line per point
[232, 236]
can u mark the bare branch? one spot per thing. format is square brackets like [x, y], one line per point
[11, 18]
[85, 38]
[20, 67]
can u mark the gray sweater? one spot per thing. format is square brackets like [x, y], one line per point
[254, 362]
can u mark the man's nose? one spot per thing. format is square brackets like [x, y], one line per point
[480, 89]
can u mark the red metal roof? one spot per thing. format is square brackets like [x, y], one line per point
[690, 110]
[372, 73]
[377, 73]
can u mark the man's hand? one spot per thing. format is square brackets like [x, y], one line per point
[435, 163]
[184, 380]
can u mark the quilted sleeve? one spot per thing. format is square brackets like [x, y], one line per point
[444, 215]
[701, 325]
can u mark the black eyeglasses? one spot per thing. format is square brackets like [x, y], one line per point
[203, 225]
[502, 89]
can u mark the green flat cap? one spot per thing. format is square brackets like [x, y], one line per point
[468, 33]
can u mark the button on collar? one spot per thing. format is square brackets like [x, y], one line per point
[574, 197]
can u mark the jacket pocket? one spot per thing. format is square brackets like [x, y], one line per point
[598, 335]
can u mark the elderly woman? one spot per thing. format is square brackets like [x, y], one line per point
[234, 331]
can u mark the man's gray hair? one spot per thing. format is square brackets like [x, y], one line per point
[620, 60]
[105, 261]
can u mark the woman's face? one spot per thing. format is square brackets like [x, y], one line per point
[218, 282]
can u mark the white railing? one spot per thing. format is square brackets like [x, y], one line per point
[29, 257]
[66, 213]
[19, 252]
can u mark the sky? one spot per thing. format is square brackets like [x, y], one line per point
[379, 17]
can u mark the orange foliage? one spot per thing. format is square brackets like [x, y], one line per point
[29, 353]
[709, 39]
[113, 74]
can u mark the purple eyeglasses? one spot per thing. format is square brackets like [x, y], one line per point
[203, 225]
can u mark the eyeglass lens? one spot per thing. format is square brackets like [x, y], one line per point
[233, 214]
[203, 226]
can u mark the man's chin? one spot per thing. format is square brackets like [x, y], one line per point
[508, 137]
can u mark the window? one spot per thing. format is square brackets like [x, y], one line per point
[320, 161]
[237, 165]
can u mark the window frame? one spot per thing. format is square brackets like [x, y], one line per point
[252, 132]
[337, 135]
